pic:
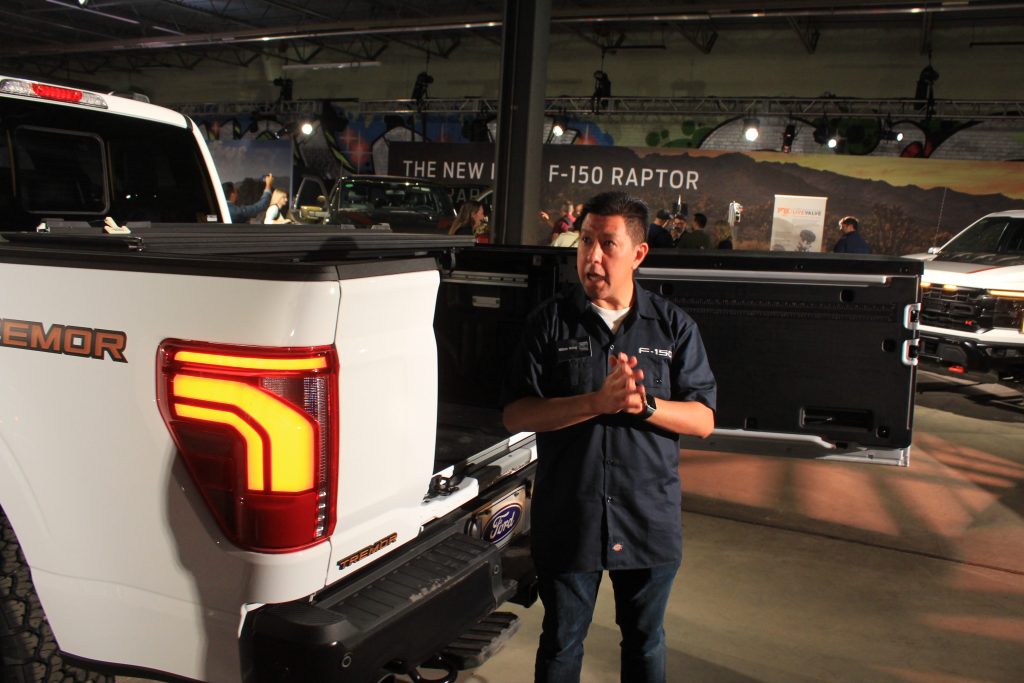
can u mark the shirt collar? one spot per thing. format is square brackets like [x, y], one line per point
[642, 302]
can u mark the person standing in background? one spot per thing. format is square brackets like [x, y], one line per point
[695, 237]
[658, 235]
[851, 242]
[242, 214]
[723, 234]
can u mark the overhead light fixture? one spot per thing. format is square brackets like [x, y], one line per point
[825, 133]
[888, 133]
[79, 5]
[419, 90]
[306, 128]
[751, 129]
[788, 136]
[602, 91]
[285, 84]
[602, 84]
[328, 66]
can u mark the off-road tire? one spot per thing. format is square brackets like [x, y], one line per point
[28, 650]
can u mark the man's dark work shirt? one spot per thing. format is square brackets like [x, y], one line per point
[851, 243]
[607, 490]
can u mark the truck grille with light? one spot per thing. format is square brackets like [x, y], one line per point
[969, 309]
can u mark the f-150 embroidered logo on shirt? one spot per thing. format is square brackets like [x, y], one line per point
[70, 340]
[664, 353]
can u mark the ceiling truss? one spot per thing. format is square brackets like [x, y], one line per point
[712, 107]
[96, 37]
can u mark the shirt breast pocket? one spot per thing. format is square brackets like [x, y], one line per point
[572, 376]
[657, 378]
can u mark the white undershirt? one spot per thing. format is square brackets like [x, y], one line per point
[612, 317]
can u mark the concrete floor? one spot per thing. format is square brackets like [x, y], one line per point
[808, 571]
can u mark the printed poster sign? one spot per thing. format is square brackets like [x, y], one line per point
[798, 223]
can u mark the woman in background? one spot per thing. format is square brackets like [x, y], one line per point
[471, 216]
[723, 231]
[277, 208]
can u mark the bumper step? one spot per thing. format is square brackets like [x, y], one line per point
[482, 641]
[393, 618]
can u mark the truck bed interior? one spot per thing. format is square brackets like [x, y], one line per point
[770, 321]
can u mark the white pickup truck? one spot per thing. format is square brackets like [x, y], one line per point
[972, 315]
[274, 453]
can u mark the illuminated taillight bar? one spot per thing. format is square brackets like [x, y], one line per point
[256, 428]
[43, 91]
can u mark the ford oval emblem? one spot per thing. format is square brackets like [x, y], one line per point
[503, 522]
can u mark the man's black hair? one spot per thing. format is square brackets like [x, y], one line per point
[850, 220]
[632, 209]
[228, 188]
[700, 219]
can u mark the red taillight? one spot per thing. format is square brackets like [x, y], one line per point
[256, 428]
[52, 92]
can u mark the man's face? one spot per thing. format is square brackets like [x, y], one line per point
[605, 260]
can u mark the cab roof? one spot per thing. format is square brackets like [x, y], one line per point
[60, 95]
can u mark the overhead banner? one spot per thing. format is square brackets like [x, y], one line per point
[903, 205]
[798, 223]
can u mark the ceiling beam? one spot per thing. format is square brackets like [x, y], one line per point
[807, 30]
[700, 12]
[701, 34]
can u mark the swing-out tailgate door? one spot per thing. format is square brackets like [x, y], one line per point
[813, 349]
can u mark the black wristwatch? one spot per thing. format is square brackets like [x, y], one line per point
[650, 407]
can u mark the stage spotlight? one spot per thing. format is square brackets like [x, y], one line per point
[788, 136]
[285, 84]
[751, 129]
[557, 128]
[602, 91]
[419, 90]
[307, 128]
[925, 89]
[825, 133]
[602, 84]
[888, 133]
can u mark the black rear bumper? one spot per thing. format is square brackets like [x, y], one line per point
[390, 620]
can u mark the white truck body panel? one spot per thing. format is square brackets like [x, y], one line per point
[187, 584]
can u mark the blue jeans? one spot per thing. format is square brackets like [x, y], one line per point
[641, 596]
